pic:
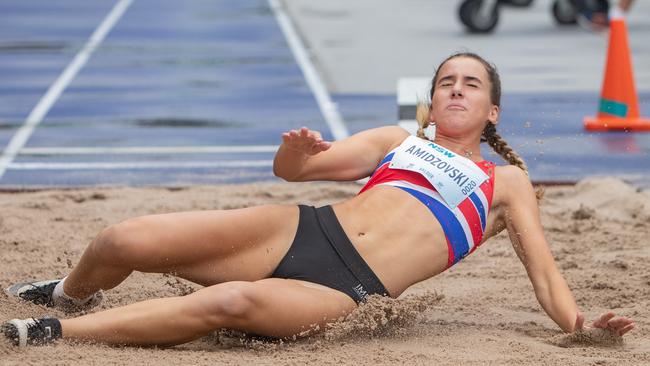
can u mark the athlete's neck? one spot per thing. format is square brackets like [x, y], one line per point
[463, 147]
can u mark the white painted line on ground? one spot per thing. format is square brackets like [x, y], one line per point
[327, 107]
[148, 150]
[47, 101]
[143, 165]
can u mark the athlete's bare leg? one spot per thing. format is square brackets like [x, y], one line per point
[206, 247]
[271, 307]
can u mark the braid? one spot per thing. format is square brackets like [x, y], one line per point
[501, 147]
[422, 116]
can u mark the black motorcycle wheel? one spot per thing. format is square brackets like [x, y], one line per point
[564, 12]
[475, 22]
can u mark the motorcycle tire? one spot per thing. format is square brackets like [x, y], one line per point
[564, 12]
[470, 15]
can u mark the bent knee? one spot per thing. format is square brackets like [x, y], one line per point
[232, 301]
[123, 243]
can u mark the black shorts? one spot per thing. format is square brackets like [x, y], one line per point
[323, 254]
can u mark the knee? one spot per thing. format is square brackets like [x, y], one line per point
[120, 244]
[231, 302]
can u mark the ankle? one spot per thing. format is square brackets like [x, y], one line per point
[60, 293]
[52, 328]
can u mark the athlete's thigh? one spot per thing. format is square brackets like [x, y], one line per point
[284, 308]
[210, 247]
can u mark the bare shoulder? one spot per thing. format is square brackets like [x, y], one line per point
[510, 174]
[390, 136]
[511, 182]
[394, 130]
[375, 142]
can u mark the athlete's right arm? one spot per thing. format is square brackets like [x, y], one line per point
[304, 156]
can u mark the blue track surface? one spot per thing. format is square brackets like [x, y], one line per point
[220, 73]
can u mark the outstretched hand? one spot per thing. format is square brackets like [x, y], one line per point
[306, 141]
[615, 324]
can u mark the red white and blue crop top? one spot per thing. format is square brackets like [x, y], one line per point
[463, 218]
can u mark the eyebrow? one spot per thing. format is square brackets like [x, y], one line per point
[467, 78]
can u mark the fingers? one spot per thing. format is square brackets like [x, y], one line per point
[305, 140]
[322, 146]
[619, 322]
[603, 320]
[580, 321]
[625, 329]
[303, 132]
[619, 325]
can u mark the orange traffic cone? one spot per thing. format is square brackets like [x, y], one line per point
[619, 107]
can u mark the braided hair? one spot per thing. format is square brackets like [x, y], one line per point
[489, 135]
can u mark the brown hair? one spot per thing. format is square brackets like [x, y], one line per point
[490, 135]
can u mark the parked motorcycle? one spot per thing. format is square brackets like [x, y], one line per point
[482, 16]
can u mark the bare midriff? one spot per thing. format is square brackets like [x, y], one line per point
[396, 235]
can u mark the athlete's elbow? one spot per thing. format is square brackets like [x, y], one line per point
[285, 174]
[281, 174]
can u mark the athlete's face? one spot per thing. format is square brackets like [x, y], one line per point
[461, 102]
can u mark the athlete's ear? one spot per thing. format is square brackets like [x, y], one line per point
[432, 120]
[493, 115]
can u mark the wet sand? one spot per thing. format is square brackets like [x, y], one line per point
[480, 312]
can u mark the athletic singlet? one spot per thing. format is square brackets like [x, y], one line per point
[464, 224]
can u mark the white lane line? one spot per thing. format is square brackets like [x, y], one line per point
[327, 107]
[38, 113]
[147, 150]
[143, 165]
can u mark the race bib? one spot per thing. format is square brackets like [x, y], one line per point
[454, 177]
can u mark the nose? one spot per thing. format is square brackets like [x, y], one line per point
[456, 91]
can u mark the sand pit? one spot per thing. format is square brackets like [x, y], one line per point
[482, 311]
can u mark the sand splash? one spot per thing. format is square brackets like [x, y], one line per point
[593, 337]
[380, 316]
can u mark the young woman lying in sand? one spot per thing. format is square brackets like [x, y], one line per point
[279, 270]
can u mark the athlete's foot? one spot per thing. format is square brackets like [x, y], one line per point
[42, 293]
[31, 332]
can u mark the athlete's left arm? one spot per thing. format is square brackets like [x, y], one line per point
[527, 237]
